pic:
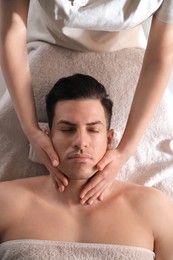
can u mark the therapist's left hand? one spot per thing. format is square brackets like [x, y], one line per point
[108, 168]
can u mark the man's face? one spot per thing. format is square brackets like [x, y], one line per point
[80, 137]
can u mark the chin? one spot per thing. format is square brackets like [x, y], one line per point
[78, 173]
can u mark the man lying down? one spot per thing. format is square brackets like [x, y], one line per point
[37, 221]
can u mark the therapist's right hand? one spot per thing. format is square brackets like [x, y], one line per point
[46, 155]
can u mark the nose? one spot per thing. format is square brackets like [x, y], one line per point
[81, 140]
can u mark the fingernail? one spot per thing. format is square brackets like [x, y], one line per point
[66, 183]
[61, 189]
[55, 163]
[99, 167]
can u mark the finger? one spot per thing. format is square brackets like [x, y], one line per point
[96, 196]
[57, 176]
[52, 155]
[55, 173]
[55, 162]
[45, 129]
[63, 179]
[93, 183]
[101, 196]
[58, 184]
[91, 200]
[108, 157]
[96, 190]
[51, 165]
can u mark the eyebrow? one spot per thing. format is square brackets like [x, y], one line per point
[98, 122]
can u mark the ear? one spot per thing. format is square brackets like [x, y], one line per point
[46, 130]
[110, 138]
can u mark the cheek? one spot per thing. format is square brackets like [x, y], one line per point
[100, 147]
[58, 145]
[55, 140]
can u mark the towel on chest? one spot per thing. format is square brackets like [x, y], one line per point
[44, 250]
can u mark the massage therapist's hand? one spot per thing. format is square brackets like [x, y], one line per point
[108, 168]
[46, 154]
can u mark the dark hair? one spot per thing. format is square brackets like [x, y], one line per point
[75, 87]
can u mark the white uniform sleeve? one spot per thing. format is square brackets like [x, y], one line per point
[165, 12]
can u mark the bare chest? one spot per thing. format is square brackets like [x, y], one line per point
[108, 224]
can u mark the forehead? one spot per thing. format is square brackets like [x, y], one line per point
[84, 110]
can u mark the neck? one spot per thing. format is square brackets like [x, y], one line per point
[71, 195]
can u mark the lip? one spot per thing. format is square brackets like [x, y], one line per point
[79, 157]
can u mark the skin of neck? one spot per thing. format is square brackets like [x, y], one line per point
[71, 194]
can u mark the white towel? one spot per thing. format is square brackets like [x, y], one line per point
[51, 250]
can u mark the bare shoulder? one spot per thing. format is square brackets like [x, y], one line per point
[20, 188]
[155, 207]
[148, 203]
[147, 199]
[11, 196]
[14, 194]
[156, 210]
[13, 186]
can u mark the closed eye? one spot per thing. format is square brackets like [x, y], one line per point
[94, 130]
[67, 130]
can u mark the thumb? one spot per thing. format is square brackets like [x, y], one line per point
[53, 156]
[107, 158]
